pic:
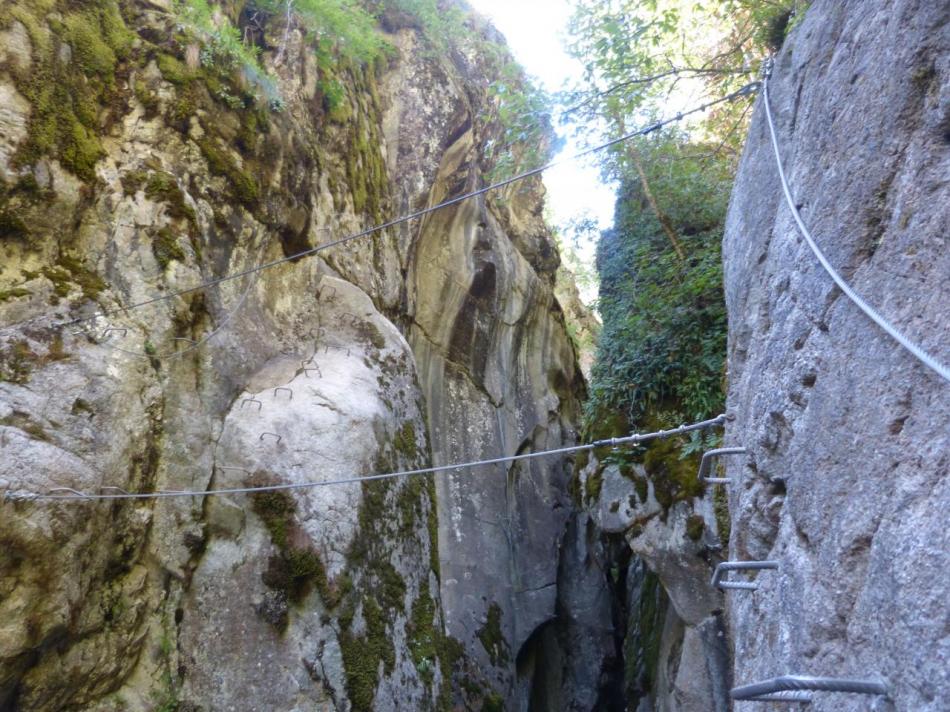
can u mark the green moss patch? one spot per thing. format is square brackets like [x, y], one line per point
[73, 80]
[405, 441]
[12, 226]
[674, 477]
[695, 526]
[19, 360]
[423, 638]
[132, 181]
[174, 70]
[296, 569]
[165, 247]
[594, 484]
[221, 163]
[16, 202]
[6, 294]
[163, 187]
[364, 655]
[644, 636]
[69, 273]
[493, 639]
[721, 511]
[392, 514]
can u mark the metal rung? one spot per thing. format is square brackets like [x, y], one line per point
[71, 491]
[232, 467]
[113, 488]
[307, 369]
[252, 401]
[114, 329]
[726, 566]
[798, 688]
[706, 463]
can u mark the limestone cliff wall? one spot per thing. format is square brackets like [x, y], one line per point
[131, 168]
[847, 481]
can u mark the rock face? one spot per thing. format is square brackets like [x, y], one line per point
[435, 341]
[846, 483]
[650, 560]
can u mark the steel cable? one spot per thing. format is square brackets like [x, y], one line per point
[744, 91]
[609, 442]
[921, 355]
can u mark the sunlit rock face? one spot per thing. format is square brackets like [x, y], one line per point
[846, 484]
[435, 341]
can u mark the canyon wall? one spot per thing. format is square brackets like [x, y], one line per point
[135, 164]
[846, 483]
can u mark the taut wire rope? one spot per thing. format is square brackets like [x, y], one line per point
[925, 358]
[633, 439]
[747, 89]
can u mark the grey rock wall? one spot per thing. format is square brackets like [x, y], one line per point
[437, 341]
[847, 480]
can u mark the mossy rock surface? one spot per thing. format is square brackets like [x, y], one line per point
[493, 639]
[74, 84]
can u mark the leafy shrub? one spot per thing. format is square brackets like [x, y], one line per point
[663, 342]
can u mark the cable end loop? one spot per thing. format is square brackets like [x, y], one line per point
[767, 65]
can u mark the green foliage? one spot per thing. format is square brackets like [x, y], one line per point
[340, 29]
[638, 54]
[441, 23]
[664, 322]
[523, 111]
[342, 32]
[770, 22]
[223, 46]
[662, 347]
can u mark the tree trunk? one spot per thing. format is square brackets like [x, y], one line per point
[634, 155]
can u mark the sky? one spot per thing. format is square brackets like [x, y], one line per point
[534, 30]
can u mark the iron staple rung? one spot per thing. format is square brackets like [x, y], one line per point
[741, 585]
[726, 566]
[705, 463]
[786, 696]
[790, 685]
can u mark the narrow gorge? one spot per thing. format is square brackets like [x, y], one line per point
[179, 315]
